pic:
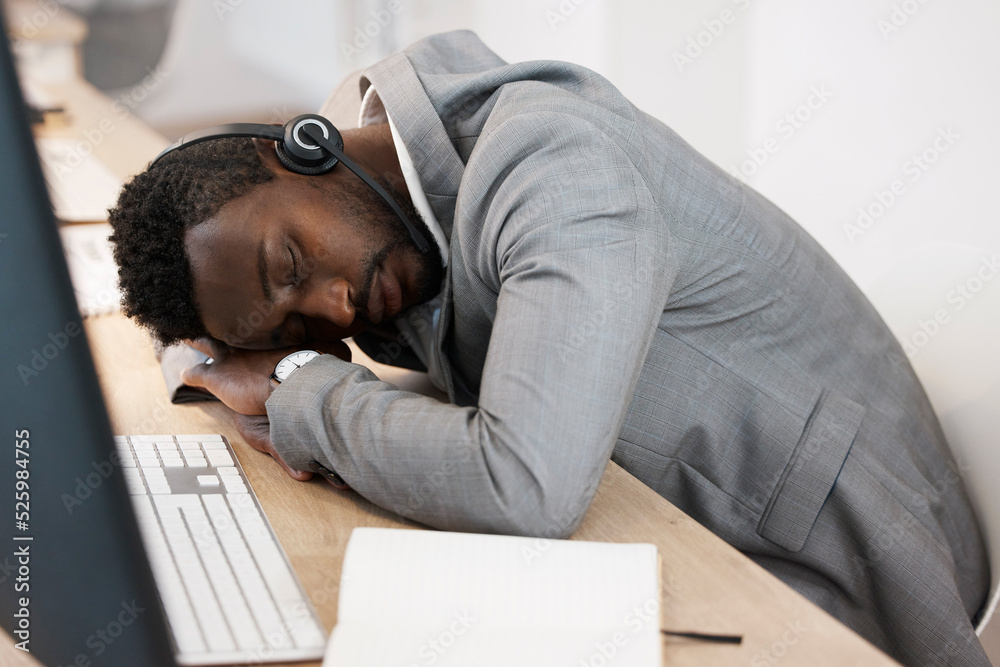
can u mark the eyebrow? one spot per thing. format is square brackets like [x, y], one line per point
[265, 280]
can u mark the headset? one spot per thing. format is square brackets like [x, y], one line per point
[308, 144]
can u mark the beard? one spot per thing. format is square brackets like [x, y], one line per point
[385, 233]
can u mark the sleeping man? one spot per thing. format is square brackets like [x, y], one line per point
[584, 286]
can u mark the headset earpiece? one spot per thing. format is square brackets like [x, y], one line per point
[300, 154]
[291, 165]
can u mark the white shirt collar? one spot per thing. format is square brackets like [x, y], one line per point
[373, 111]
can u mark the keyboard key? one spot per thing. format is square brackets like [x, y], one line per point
[208, 480]
[219, 458]
[234, 485]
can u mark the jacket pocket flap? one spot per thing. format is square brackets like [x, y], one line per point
[811, 471]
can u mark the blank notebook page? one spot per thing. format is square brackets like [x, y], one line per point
[412, 597]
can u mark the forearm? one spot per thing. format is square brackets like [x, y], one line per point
[447, 466]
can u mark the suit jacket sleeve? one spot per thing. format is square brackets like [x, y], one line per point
[567, 245]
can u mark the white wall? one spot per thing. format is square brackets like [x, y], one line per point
[914, 103]
[893, 95]
[631, 42]
[244, 60]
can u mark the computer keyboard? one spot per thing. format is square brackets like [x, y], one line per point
[228, 590]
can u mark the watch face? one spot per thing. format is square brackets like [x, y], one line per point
[291, 362]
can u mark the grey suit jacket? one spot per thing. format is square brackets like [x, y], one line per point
[611, 293]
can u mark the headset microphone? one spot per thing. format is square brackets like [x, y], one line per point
[307, 144]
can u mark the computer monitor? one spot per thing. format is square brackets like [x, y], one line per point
[75, 584]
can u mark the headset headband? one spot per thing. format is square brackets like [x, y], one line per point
[272, 132]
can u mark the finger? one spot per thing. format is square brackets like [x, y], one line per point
[256, 430]
[196, 376]
[298, 475]
[342, 487]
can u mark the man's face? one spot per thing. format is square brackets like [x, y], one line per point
[293, 262]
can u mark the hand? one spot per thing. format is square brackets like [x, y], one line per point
[238, 378]
[241, 378]
[256, 430]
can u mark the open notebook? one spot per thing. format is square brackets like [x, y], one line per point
[410, 597]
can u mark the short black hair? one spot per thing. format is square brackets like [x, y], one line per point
[154, 211]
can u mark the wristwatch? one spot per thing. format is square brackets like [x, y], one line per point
[289, 364]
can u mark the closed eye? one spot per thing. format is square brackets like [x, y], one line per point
[295, 267]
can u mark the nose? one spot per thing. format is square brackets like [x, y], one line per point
[331, 301]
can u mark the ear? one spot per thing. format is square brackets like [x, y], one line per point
[265, 149]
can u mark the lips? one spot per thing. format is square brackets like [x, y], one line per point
[386, 298]
[392, 295]
[376, 298]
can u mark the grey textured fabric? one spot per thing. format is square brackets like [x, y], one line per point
[612, 293]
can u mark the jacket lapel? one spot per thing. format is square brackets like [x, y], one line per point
[433, 154]
[435, 160]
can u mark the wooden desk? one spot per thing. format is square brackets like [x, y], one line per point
[120, 140]
[707, 585]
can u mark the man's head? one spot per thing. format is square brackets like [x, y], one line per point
[219, 239]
